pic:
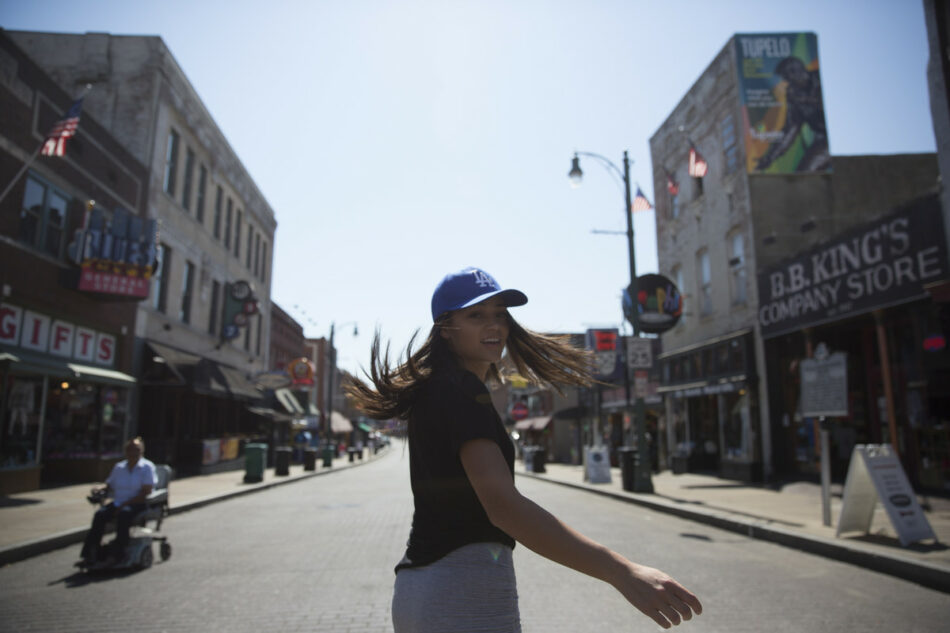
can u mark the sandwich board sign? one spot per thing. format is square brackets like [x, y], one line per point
[598, 464]
[875, 474]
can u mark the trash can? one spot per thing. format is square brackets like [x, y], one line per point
[310, 459]
[328, 450]
[254, 457]
[282, 458]
[627, 455]
[539, 459]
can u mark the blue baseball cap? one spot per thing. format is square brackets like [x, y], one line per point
[468, 287]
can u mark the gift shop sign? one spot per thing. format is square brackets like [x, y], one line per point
[884, 263]
[38, 332]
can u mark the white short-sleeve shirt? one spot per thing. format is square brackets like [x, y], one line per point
[127, 485]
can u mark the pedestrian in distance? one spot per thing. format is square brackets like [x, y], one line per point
[457, 573]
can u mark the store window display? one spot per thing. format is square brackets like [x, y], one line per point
[21, 421]
[84, 421]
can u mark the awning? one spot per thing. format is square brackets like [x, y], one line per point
[533, 424]
[339, 424]
[277, 416]
[180, 364]
[365, 427]
[238, 384]
[290, 403]
[99, 374]
[312, 409]
[28, 363]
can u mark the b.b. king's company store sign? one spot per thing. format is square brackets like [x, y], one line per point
[886, 262]
[38, 332]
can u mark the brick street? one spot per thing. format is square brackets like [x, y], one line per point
[317, 555]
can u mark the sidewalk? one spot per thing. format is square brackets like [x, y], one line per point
[38, 521]
[789, 515]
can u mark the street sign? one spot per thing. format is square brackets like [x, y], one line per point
[639, 353]
[875, 474]
[824, 381]
[519, 411]
[641, 381]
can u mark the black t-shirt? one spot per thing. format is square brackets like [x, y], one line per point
[450, 410]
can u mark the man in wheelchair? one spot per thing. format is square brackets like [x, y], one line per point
[130, 483]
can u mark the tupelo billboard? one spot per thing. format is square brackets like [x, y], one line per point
[883, 263]
[783, 114]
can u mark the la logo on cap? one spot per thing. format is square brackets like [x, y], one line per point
[483, 280]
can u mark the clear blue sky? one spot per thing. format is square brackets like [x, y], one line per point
[398, 141]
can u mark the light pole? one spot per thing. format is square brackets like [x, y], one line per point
[642, 481]
[330, 356]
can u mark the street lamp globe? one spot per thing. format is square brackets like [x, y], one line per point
[576, 175]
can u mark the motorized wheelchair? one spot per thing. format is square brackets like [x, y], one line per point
[138, 553]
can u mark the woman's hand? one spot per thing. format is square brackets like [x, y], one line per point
[657, 595]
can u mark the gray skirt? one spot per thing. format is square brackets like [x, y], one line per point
[471, 589]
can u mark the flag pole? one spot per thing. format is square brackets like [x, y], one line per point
[20, 173]
[36, 153]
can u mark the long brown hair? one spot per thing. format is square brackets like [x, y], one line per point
[539, 358]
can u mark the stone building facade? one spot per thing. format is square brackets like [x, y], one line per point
[216, 242]
[715, 238]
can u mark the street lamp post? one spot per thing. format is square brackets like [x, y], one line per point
[642, 481]
[330, 357]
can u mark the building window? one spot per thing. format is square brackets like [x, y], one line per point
[257, 254]
[43, 217]
[705, 282]
[217, 213]
[260, 319]
[189, 176]
[227, 226]
[171, 163]
[184, 314]
[678, 280]
[738, 267]
[237, 235]
[163, 263]
[263, 276]
[729, 147]
[250, 246]
[215, 298]
[200, 200]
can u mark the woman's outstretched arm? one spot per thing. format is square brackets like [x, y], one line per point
[650, 590]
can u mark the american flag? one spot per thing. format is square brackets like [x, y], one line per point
[640, 203]
[55, 143]
[697, 164]
[671, 185]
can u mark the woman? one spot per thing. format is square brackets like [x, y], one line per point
[457, 574]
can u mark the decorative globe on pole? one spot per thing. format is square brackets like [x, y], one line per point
[642, 480]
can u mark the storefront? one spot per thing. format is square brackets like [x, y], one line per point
[196, 414]
[64, 405]
[878, 294]
[711, 408]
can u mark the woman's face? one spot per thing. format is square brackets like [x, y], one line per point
[478, 334]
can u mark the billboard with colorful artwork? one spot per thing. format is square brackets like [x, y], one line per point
[783, 114]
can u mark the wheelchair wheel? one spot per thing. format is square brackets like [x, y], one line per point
[165, 550]
[145, 558]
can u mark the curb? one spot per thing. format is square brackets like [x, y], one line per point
[923, 573]
[28, 549]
